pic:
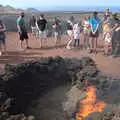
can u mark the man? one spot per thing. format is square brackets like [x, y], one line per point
[94, 34]
[41, 26]
[22, 30]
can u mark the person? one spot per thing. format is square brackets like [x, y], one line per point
[22, 30]
[94, 32]
[76, 34]
[57, 31]
[107, 14]
[86, 30]
[115, 35]
[107, 36]
[33, 25]
[2, 37]
[69, 33]
[114, 23]
[41, 27]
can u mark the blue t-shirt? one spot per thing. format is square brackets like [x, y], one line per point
[94, 22]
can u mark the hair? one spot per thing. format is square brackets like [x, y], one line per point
[22, 13]
[41, 15]
[95, 13]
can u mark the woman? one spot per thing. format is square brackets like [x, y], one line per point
[57, 31]
[70, 34]
[94, 32]
[86, 29]
[2, 37]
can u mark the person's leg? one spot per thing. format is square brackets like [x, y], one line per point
[26, 38]
[78, 42]
[0, 49]
[87, 41]
[84, 42]
[40, 38]
[95, 44]
[70, 39]
[91, 44]
[75, 40]
[4, 46]
[56, 39]
[21, 44]
[27, 43]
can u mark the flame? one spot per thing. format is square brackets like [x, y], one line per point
[90, 104]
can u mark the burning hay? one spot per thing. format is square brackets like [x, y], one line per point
[90, 104]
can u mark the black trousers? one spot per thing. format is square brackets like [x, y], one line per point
[76, 42]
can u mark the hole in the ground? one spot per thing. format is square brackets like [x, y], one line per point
[50, 88]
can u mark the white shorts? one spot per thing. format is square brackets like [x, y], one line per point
[34, 30]
[56, 33]
[42, 34]
[70, 32]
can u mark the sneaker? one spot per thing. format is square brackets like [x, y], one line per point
[68, 47]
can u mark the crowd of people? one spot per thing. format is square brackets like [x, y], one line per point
[90, 27]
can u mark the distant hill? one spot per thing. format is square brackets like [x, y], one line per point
[11, 10]
[32, 10]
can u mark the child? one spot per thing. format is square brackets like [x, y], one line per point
[107, 38]
[76, 34]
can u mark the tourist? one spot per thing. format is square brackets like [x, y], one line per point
[114, 23]
[33, 25]
[41, 27]
[107, 36]
[76, 34]
[70, 33]
[2, 37]
[22, 30]
[94, 32]
[107, 14]
[57, 31]
[86, 30]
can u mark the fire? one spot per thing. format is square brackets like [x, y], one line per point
[90, 104]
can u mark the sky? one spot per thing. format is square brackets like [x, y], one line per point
[58, 3]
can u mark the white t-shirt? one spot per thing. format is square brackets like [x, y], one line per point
[76, 31]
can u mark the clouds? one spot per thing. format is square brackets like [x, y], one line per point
[53, 3]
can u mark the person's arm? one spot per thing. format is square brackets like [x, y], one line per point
[96, 28]
[3, 29]
[18, 25]
[117, 29]
[37, 26]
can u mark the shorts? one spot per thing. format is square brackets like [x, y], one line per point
[94, 35]
[2, 38]
[23, 36]
[56, 33]
[34, 30]
[70, 32]
[42, 34]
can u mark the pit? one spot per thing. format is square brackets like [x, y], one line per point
[53, 88]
